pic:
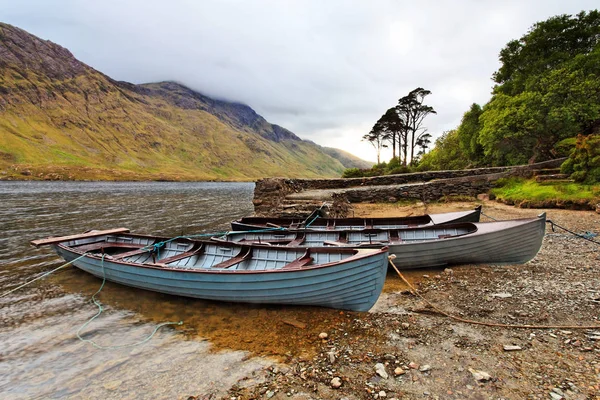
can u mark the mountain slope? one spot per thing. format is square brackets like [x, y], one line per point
[348, 160]
[62, 119]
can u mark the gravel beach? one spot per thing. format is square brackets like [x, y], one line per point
[405, 349]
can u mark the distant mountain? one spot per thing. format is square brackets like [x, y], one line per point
[61, 119]
[348, 160]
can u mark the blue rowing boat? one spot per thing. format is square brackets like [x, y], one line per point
[342, 278]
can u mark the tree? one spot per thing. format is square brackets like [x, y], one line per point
[377, 137]
[445, 155]
[560, 104]
[468, 134]
[412, 112]
[394, 127]
[546, 46]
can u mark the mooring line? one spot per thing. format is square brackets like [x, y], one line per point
[42, 276]
[553, 224]
[101, 309]
[492, 324]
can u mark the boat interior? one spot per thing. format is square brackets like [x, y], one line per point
[363, 237]
[203, 255]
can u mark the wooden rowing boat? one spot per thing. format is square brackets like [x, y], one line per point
[350, 279]
[316, 222]
[511, 241]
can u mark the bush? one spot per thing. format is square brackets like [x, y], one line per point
[567, 166]
[584, 161]
[353, 173]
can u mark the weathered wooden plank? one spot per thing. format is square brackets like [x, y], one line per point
[58, 239]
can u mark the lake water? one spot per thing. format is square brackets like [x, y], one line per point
[218, 343]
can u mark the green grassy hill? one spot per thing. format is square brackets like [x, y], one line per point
[61, 119]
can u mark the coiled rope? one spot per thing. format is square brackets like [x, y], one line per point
[101, 309]
[588, 238]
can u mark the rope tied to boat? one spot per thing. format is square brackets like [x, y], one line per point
[487, 216]
[42, 276]
[587, 236]
[415, 292]
[101, 309]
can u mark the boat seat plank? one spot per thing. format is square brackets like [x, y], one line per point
[131, 253]
[334, 243]
[193, 251]
[234, 260]
[300, 262]
[300, 238]
[58, 239]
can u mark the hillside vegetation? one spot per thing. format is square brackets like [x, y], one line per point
[61, 119]
[547, 93]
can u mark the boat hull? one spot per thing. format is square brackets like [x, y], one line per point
[258, 223]
[352, 285]
[514, 244]
[500, 242]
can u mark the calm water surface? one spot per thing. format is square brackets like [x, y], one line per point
[40, 356]
[218, 344]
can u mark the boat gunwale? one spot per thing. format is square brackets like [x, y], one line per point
[477, 231]
[358, 255]
[421, 220]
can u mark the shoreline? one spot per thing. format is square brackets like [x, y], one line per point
[419, 353]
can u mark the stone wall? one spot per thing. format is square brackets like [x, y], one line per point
[271, 194]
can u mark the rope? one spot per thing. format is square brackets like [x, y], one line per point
[42, 276]
[485, 215]
[100, 309]
[589, 239]
[494, 324]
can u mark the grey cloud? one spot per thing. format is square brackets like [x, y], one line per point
[323, 69]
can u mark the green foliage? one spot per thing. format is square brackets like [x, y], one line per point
[518, 189]
[565, 147]
[545, 47]
[468, 134]
[352, 173]
[584, 162]
[547, 92]
[567, 166]
[446, 155]
[393, 167]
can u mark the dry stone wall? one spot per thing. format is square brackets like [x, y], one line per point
[271, 194]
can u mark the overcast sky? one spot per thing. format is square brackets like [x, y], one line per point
[326, 70]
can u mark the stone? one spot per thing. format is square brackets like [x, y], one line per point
[425, 368]
[558, 391]
[382, 394]
[380, 370]
[555, 396]
[112, 385]
[270, 394]
[336, 382]
[413, 365]
[399, 371]
[295, 323]
[331, 356]
[323, 335]
[480, 376]
[405, 325]
[503, 295]
[511, 348]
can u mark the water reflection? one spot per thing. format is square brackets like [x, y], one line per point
[41, 357]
